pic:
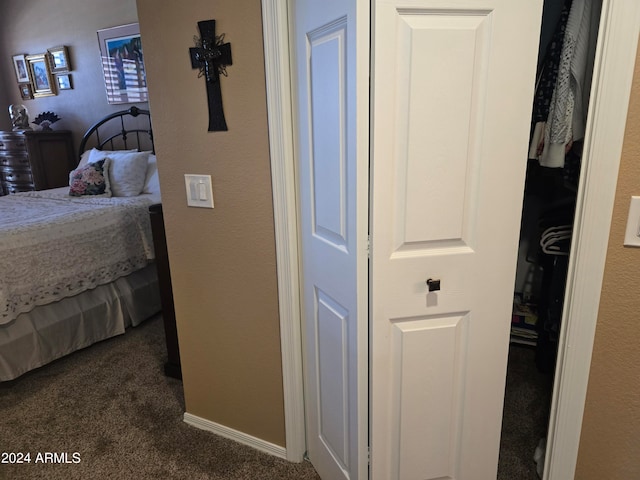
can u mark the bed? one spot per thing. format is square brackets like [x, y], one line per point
[77, 262]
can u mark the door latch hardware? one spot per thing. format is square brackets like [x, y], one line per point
[434, 285]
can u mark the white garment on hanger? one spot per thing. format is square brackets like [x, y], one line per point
[568, 111]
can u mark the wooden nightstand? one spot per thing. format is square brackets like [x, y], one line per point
[35, 160]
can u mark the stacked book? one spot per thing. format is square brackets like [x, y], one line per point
[523, 322]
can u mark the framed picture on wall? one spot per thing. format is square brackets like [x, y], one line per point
[41, 79]
[25, 91]
[64, 81]
[123, 64]
[20, 66]
[59, 58]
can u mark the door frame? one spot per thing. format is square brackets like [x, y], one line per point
[275, 27]
[611, 87]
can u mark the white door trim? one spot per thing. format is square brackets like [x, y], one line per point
[613, 73]
[275, 26]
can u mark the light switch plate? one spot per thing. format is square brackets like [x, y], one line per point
[199, 191]
[632, 235]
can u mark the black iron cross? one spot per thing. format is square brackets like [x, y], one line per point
[211, 55]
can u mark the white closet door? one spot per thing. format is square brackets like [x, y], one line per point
[453, 84]
[331, 41]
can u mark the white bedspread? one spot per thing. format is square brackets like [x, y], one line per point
[54, 246]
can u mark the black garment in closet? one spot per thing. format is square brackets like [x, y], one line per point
[557, 197]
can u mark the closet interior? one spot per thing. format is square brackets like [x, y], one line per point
[559, 113]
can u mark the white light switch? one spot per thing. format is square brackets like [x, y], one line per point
[632, 235]
[199, 191]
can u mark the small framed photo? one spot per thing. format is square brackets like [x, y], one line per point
[41, 78]
[20, 66]
[64, 81]
[25, 91]
[59, 59]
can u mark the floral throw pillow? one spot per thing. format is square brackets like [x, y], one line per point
[92, 179]
[127, 171]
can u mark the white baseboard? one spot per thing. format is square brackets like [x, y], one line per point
[240, 437]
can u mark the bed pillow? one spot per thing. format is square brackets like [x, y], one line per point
[127, 171]
[91, 179]
[84, 158]
[152, 182]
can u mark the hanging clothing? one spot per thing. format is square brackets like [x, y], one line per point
[546, 82]
[547, 79]
[551, 12]
[568, 109]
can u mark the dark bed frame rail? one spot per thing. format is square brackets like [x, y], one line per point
[122, 134]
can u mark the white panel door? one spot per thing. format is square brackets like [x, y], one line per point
[453, 84]
[332, 109]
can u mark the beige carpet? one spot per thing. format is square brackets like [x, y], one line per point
[112, 405]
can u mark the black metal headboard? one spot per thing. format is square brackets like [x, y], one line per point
[124, 130]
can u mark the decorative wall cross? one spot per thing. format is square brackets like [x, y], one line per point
[211, 55]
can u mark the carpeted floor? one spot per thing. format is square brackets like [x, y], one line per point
[112, 405]
[526, 412]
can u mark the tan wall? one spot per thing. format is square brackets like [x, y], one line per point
[32, 27]
[222, 260]
[610, 441]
